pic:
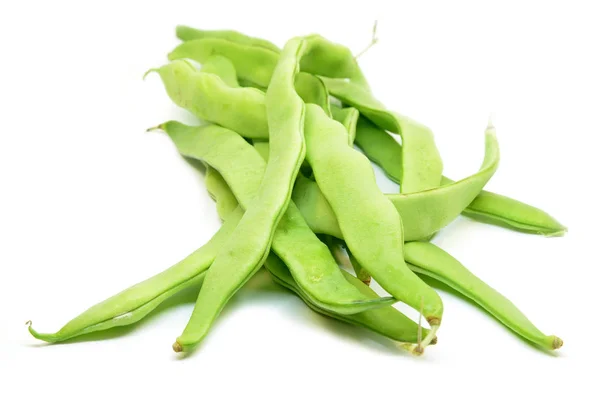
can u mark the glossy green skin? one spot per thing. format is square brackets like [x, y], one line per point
[421, 161]
[369, 222]
[386, 321]
[307, 257]
[487, 207]
[134, 303]
[186, 33]
[209, 98]
[428, 259]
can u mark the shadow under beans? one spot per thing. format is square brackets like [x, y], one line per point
[438, 285]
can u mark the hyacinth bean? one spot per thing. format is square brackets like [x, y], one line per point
[134, 303]
[186, 33]
[370, 225]
[348, 117]
[432, 261]
[386, 321]
[421, 161]
[222, 67]
[487, 207]
[250, 242]
[209, 98]
[307, 257]
[255, 58]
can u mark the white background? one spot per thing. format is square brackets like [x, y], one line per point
[91, 204]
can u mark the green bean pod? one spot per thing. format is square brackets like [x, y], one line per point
[222, 67]
[186, 33]
[348, 117]
[255, 60]
[504, 211]
[209, 98]
[432, 261]
[369, 223]
[421, 160]
[308, 258]
[250, 243]
[134, 303]
[487, 207]
[386, 321]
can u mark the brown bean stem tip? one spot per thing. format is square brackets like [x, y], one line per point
[557, 343]
[177, 348]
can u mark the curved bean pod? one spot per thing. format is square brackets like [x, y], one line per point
[134, 303]
[430, 260]
[375, 236]
[255, 62]
[348, 117]
[222, 67]
[307, 257]
[421, 161]
[250, 243]
[251, 62]
[504, 211]
[186, 33]
[422, 213]
[386, 321]
[207, 97]
[487, 207]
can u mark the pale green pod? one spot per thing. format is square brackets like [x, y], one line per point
[348, 117]
[209, 98]
[250, 243]
[421, 160]
[370, 225]
[222, 67]
[251, 62]
[432, 261]
[386, 321]
[308, 258]
[504, 211]
[487, 207]
[186, 33]
[134, 303]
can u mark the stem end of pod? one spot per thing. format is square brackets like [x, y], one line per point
[556, 342]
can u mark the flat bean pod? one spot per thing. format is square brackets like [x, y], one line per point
[255, 60]
[209, 98]
[421, 161]
[386, 321]
[430, 260]
[186, 33]
[487, 207]
[134, 303]
[307, 257]
[370, 225]
[348, 117]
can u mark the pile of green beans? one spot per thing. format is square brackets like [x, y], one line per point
[277, 143]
